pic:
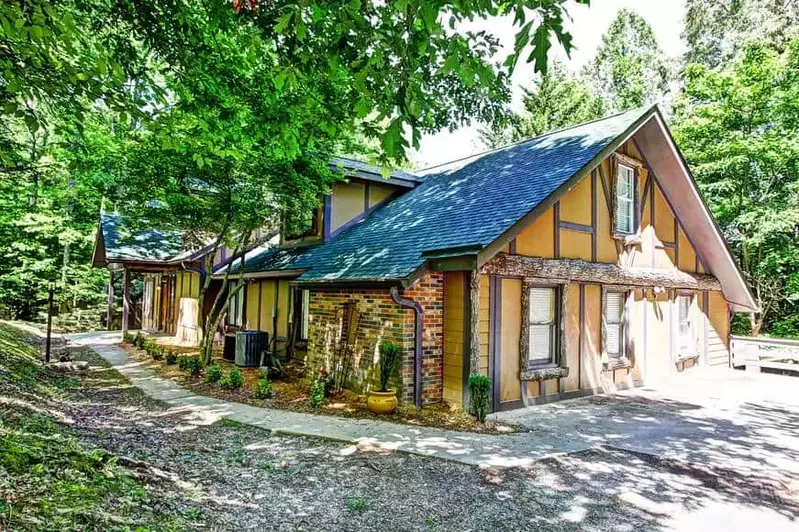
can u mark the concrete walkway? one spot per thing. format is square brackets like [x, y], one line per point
[464, 447]
[725, 419]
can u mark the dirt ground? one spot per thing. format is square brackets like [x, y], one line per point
[227, 476]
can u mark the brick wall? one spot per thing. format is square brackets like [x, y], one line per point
[381, 319]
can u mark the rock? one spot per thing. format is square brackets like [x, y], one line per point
[77, 366]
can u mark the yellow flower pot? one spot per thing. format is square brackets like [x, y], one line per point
[382, 402]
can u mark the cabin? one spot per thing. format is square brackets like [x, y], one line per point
[579, 262]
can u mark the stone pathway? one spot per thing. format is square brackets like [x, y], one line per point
[468, 448]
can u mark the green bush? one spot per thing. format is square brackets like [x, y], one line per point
[138, 340]
[263, 389]
[479, 390]
[318, 389]
[128, 338]
[171, 356]
[213, 373]
[191, 364]
[156, 351]
[233, 380]
[390, 355]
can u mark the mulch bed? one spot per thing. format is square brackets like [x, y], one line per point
[292, 391]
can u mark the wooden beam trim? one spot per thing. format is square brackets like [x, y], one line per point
[594, 217]
[260, 300]
[582, 336]
[579, 228]
[495, 338]
[556, 213]
[576, 270]
[467, 331]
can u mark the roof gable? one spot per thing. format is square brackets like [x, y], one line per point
[468, 204]
[685, 200]
[119, 244]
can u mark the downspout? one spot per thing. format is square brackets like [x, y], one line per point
[417, 347]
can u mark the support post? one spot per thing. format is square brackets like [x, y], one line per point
[125, 300]
[49, 323]
[109, 320]
[474, 319]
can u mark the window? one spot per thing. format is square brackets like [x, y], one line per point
[614, 327]
[541, 321]
[685, 333]
[235, 315]
[306, 315]
[625, 199]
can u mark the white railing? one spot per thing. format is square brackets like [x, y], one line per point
[771, 353]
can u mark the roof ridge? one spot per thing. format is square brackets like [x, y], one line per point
[539, 137]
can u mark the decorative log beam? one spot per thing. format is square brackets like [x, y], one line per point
[575, 270]
[474, 321]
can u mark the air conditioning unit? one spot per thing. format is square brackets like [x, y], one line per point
[249, 345]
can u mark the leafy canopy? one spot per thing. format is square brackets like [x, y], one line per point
[738, 127]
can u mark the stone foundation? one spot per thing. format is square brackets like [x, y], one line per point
[380, 318]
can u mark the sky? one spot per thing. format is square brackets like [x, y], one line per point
[587, 26]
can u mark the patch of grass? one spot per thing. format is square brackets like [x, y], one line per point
[49, 480]
[227, 422]
[22, 366]
[357, 505]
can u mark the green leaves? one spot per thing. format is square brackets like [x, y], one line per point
[736, 125]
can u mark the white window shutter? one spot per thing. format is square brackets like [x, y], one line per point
[614, 308]
[613, 339]
[541, 305]
[540, 342]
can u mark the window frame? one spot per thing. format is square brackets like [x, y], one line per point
[305, 313]
[690, 319]
[628, 202]
[624, 358]
[236, 309]
[617, 160]
[557, 334]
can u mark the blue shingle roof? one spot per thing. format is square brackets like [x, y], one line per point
[468, 203]
[122, 244]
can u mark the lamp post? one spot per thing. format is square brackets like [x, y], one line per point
[49, 322]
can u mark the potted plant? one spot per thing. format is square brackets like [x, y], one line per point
[384, 400]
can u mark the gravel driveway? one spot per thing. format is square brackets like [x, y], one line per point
[233, 477]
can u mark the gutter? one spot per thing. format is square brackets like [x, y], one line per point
[418, 329]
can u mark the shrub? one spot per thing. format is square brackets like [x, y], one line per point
[233, 380]
[138, 340]
[479, 390]
[213, 373]
[390, 354]
[155, 351]
[319, 389]
[191, 364]
[171, 356]
[128, 338]
[263, 389]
